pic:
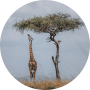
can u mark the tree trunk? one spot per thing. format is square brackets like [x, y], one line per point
[56, 64]
[56, 59]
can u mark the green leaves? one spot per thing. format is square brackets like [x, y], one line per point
[60, 21]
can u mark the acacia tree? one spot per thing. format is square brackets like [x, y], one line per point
[52, 24]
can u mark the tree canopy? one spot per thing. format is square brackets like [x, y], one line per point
[57, 22]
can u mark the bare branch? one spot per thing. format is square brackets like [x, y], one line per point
[48, 38]
[48, 41]
[59, 41]
[53, 59]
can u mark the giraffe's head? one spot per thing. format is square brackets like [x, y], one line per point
[29, 37]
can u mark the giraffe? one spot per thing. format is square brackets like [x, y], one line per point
[32, 62]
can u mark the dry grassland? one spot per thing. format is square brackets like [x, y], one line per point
[46, 84]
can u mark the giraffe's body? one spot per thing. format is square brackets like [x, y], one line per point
[32, 62]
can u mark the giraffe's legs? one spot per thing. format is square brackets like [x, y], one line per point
[31, 74]
[34, 74]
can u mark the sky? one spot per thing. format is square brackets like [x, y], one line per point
[73, 51]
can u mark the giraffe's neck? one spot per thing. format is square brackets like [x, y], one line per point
[31, 52]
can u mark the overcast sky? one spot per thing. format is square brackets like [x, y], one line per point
[74, 48]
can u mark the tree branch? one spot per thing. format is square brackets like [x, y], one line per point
[48, 38]
[48, 41]
[59, 41]
[53, 60]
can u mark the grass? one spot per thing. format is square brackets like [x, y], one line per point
[46, 84]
